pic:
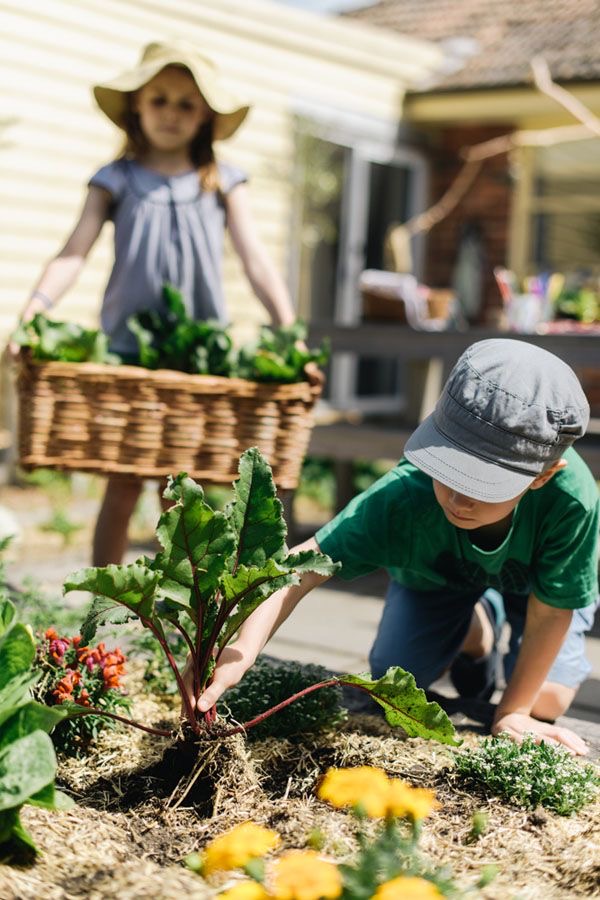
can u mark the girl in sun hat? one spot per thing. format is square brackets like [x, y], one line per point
[170, 201]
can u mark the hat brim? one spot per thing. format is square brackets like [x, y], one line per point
[111, 97]
[457, 468]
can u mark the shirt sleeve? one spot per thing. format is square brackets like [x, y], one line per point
[372, 532]
[112, 179]
[230, 176]
[566, 570]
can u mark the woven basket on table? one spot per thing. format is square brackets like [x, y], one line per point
[133, 421]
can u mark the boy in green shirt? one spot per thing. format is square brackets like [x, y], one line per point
[490, 494]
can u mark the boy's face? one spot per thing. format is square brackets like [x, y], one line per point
[464, 512]
[467, 513]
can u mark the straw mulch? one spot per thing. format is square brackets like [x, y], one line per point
[132, 824]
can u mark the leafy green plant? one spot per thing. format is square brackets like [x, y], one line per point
[63, 341]
[169, 339]
[27, 758]
[215, 568]
[529, 774]
[268, 683]
[280, 355]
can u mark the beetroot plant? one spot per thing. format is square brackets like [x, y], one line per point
[214, 569]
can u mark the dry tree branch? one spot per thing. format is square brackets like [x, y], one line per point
[543, 81]
[475, 156]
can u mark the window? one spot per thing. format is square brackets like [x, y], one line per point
[565, 234]
[350, 188]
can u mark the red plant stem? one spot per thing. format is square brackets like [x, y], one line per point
[180, 682]
[220, 621]
[92, 711]
[184, 635]
[258, 719]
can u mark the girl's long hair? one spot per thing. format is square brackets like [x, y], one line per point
[201, 150]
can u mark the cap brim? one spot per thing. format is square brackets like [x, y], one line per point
[457, 468]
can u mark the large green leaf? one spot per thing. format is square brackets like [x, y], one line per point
[256, 513]
[16, 693]
[406, 705]
[101, 612]
[134, 586]
[26, 766]
[17, 652]
[196, 540]
[248, 588]
[51, 798]
[7, 614]
[30, 716]
[312, 561]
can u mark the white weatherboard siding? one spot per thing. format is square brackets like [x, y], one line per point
[52, 137]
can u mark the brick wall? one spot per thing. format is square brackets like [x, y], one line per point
[486, 206]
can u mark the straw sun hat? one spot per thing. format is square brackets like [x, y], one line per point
[229, 111]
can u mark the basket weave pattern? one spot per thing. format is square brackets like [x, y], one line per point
[132, 421]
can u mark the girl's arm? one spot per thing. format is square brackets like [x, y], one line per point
[266, 282]
[236, 659]
[60, 273]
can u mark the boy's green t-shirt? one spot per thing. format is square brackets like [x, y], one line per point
[551, 548]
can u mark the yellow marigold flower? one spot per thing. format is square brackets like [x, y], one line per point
[245, 890]
[303, 875]
[364, 785]
[237, 847]
[404, 800]
[407, 889]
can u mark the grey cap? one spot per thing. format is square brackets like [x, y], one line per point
[507, 412]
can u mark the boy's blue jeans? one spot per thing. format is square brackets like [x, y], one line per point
[423, 631]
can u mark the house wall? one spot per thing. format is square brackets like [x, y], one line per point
[487, 206]
[53, 138]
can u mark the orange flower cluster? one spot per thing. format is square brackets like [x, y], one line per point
[98, 668]
[65, 688]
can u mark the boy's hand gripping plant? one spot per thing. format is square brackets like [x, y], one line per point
[214, 570]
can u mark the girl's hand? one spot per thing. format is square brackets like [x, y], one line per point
[314, 375]
[517, 725]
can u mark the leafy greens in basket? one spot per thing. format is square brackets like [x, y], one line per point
[51, 341]
[169, 339]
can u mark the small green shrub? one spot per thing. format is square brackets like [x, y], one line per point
[529, 774]
[268, 683]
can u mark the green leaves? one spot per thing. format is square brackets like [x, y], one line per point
[27, 759]
[17, 652]
[214, 569]
[134, 587]
[197, 541]
[63, 341]
[406, 705]
[256, 513]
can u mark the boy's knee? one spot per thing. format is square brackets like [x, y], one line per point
[553, 701]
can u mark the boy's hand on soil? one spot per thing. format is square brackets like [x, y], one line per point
[517, 725]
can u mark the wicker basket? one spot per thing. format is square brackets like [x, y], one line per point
[132, 421]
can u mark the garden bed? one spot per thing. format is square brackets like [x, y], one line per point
[125, 839]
